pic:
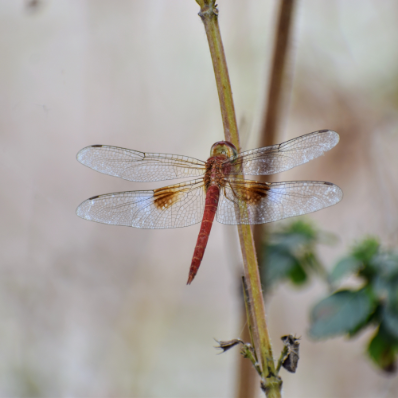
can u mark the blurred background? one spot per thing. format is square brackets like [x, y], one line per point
[91, 310]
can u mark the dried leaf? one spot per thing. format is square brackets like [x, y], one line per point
[292, 343]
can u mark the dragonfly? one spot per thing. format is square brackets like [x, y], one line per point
[219, 189]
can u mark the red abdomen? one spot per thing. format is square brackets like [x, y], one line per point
[211, 203]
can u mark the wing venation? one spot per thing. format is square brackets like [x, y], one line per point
[251, 202]
[277, 158]
[139, 166]
[174, 206]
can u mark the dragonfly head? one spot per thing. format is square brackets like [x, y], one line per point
[223, 148]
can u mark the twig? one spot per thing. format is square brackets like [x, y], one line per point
[282, 357]
[247, 378]
[209, 15]
[272, 112]
[248, 309]
[274, 102]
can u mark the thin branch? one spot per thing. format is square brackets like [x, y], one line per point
[274, 108]
[282, 357]
[247, 375]
[209, 16]
[247, 378]
[274, 103]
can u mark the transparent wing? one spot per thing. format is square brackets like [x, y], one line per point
[174, 206]
[251, 202]
[277, 158]
[139, 166]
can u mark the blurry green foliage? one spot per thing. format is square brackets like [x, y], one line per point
[340, 313]
[290, 254]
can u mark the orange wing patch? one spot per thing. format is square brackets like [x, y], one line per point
[167, 197]
[251, 192]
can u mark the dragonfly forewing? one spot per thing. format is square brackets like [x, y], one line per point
[139, 166]
[277, 158]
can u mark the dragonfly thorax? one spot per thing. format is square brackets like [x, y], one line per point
[216, 169]
[217, 166]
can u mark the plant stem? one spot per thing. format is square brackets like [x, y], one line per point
[209, 15]
[247, 377]
[282, 357]
[273, 106]
[277, 77]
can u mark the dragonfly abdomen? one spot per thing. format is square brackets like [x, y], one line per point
[211, 203]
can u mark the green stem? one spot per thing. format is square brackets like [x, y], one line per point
[281, 358]
[248, 309]
[209, 15]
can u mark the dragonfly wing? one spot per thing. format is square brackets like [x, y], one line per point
[277, 158]
[174, 206]
[139, 166]
[251, 202]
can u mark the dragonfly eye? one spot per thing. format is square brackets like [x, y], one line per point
[223, 148]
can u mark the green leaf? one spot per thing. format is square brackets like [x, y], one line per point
[347, 265]
[386, 290]
[297, 275]
[290, 242]
[365, 250]
[386, 263]
[340, 313]
[383, 349]
[303, 228]
[309, 260]
[295, 235]
[372, 319]
[277, 264]
[381, 287]
[390, 321]
[289, 254]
